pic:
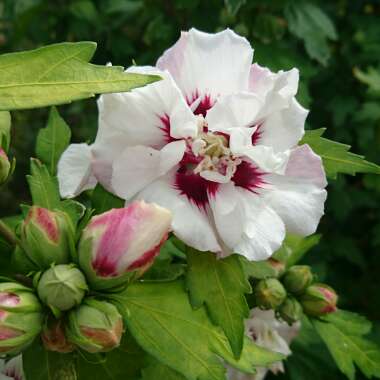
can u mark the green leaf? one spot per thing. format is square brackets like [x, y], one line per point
[161, 319]
[371, 78]
[53, 140]
[309, 23]
[220, 285]
[295, 247]
[157, 370]
[45, 192]
[57, 74]
[103, 201]
[336, 156]
[343, 333]
[43, 187]
[309, 355]
[123, 363]
[40, 364]
[5, 130]
[233, 6]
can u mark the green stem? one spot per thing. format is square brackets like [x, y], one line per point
[8, 234]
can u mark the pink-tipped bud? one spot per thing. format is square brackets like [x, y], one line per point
[319, 299]
[20, 317]
[45, 237]
[95, 326]
[122, 242]
[5, 166]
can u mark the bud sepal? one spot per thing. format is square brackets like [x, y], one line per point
[45, 237]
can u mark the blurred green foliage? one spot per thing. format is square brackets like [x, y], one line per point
[335, 45]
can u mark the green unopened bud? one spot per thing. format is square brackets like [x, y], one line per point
[54, 338]
[45, 237]
[5, 166]
[269, 293]
[95, 326]
[20, 317]
[319, 299]
[297, 279]
[62, 287]
[290, 310]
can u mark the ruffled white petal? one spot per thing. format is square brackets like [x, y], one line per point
[247, 225]
[190, 224]
[275, 89]
[75, 171]
[263, 156]
[144, 116]
[139, 166]
[299, 196]
[283, 129]
[214, 64]
[232, 111]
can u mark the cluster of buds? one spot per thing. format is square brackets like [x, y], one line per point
[115, 248]
[293, 292]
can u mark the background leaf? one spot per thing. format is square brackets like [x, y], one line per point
[40, 364]
[58, 74]
[221, 285]
[52, 141]
[102, 200]
[343, 333]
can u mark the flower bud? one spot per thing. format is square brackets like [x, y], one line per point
[62, 287]
[319, 299]
[20, 317]
[277, 266]
[5, 166]
[54, 338]
[122, 243]
[45, 237]
[95, 326]
[290, 310]
[269, 293]
[297, 279]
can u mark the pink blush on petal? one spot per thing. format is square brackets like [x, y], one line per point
[120, 225]
[9, 299]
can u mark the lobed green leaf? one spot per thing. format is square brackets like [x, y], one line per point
[336, 156]
[58, 74]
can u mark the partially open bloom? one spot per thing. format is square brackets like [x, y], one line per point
[122, 242]
[95, 326]
[215, 142]
[12, 369]
[268, 332]
[20, 317]
[45, 237]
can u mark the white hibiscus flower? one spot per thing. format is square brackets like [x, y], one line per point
[267, 331]
[215, 142]
[12, 369]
